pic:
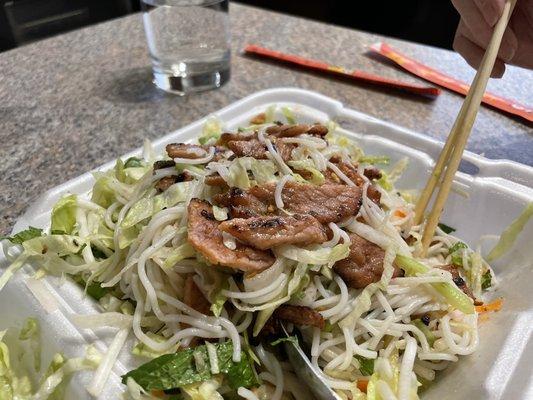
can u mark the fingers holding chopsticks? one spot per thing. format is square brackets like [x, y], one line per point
[478, 18]
[473, 53]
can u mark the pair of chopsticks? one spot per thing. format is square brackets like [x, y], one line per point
[451, 155]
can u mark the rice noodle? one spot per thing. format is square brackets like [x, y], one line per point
[196, 161]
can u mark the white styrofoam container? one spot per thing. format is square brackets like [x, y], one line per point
[498, 190]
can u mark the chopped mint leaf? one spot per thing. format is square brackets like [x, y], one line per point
[133, 162]
[366, 365]
[486, 280]
[22, 236]
[446, 229]
[176, 370]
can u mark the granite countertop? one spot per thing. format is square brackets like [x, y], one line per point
[75, 101]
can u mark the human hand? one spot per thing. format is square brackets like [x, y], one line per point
[478, 18]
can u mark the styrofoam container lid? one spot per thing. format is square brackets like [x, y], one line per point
[488, 196]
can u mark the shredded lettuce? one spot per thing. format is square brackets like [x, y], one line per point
[425, 330]
[320, 256]
[211, 130]
[389, 375]
[178, 370]
[509, 235]
[317, 178]
[266, 311]
[238, 175]
[31, 332]
[132, 170]
[142, 350]
[263, 171]
[179, 253]
[219, 300]
[342, 141]
[455, 296]
[102, 194]
[64, 215]
[22, 236]
[19, 381]
[146, 207]
[289, 115]
[374, 159]
[385, 182]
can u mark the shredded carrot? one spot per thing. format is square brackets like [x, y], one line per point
[400, 213]
[496, 305]
[362, 384]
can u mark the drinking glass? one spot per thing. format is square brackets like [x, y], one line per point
[189, 43]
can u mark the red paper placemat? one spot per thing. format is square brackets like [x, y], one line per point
[339, 71]
[437, 77]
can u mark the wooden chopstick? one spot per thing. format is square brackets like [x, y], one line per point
[452, 152]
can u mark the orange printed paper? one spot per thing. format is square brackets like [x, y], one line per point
[437, 77]
[339, 71]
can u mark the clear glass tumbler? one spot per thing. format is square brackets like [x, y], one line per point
[189, 43]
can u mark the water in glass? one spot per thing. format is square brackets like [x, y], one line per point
[188, 42]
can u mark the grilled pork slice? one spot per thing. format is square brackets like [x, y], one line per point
[254, 148]
[185, 150]
[268, 231]
[167, 181]
[296, 130]
[215, 180]
[327, 203]
[206, 237]
[242, 204]
[194, 298]
[299, 315]
[364, 264]
[227, 137]
[350, 171]
[248, 148]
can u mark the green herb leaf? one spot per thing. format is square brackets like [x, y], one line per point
[456, 252]
[366, 365]
[133, 162]
[446, 229]
[22, 236]
[95, 290]
[290, 339]
[486, 280]
[172, 371]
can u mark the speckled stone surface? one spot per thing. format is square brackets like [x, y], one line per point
[73, 102]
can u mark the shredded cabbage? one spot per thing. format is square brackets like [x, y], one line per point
[320, 256]
[211, 131]
[317, 178]
[19, 381]
[64, 215]
[510, 234]
[146, 207]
